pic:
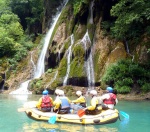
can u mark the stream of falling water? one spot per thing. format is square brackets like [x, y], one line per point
[23, 89]
[69, 54]
[88, 61]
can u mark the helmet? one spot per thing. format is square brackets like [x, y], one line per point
[109, 89]
[79, 93]
[45, 92]
[93, 92]
[61, 92]
[57, 91]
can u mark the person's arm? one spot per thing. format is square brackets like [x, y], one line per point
[116, 100]
[79, 100]
[57, 104]
[68, 100]
[38, 105]
[51, 100]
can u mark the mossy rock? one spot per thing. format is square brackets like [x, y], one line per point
[91, 30]
[78, 51]
[79, 31]
[96, 66]
[62, 67]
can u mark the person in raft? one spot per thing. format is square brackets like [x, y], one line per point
[94, 108]
[45, 103]
[109, 99]
[57, 93]
[62, 104]
[79, 103]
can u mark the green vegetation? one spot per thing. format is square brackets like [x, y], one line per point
[125, 74]
[77, 5]
[14, 43]
[132, 19]
[30, 12]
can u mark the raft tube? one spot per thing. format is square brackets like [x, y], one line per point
[105, 117]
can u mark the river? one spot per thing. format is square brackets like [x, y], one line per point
[13, 121]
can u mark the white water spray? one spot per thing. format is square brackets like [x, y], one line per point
[23, 89]
[91, 12]
[89, 62]
[69, 55]
[41, 65]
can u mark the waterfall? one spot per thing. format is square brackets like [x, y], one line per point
[127, 49]
[23, 89]
[3, 82]
[69, 54]
[88, 61]
[91, 12]
[40, 69]
[33, 65]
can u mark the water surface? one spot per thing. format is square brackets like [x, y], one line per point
[13, 121]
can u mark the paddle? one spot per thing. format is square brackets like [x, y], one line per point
[22, 109]
[52, 119]
[125, 115]
[81, 112]
[27, 105]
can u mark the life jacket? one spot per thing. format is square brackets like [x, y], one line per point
[111, 99]
[64, 103]
[46, 102]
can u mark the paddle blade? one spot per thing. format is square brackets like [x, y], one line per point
[52, 120]
[22, 109]
[125, 115]
[81, 113]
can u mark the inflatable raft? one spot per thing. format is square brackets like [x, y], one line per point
[105, 117]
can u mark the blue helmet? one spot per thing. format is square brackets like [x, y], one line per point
[109, 89]
[45, 92]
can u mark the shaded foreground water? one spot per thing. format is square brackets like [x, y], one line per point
[13, 121]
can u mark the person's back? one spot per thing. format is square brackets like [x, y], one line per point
[62, 104]
[93, 108]
[45, 103]
[109, 99]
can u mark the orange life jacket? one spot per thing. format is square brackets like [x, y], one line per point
[111, 99]
[46, 102]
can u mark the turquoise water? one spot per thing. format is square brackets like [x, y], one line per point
[13, 121]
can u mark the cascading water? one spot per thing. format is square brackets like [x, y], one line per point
[33, 65]
[23, 89]
[91, 12]
[69, 54]
[40, 69]
[127, 49]
[89, 61]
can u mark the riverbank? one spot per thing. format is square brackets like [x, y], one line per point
[131, 96]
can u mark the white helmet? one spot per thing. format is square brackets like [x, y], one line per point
[93, 92]
[79, 93]
[57, 91]
[61, 92]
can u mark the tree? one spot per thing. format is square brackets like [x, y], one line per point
[30, 12]
[132, 18]
[10, 32]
